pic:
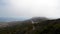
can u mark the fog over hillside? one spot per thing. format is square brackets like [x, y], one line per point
[29, 16]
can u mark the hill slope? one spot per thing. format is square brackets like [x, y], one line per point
[26, 27]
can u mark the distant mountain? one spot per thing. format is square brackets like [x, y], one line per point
[5, 19]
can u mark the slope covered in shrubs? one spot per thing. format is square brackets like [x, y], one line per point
[44, 27]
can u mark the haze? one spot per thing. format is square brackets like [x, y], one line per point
[30, 8]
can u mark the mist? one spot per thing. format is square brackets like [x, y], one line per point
[30, 8]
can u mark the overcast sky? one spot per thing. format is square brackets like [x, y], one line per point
[30, 8]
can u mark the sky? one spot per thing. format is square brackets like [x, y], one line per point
[30, 8]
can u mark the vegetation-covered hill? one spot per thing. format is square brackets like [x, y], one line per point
[26, 27]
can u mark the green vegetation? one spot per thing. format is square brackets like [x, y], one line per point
[44, 27]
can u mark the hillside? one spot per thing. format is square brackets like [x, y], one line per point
[26, 27]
